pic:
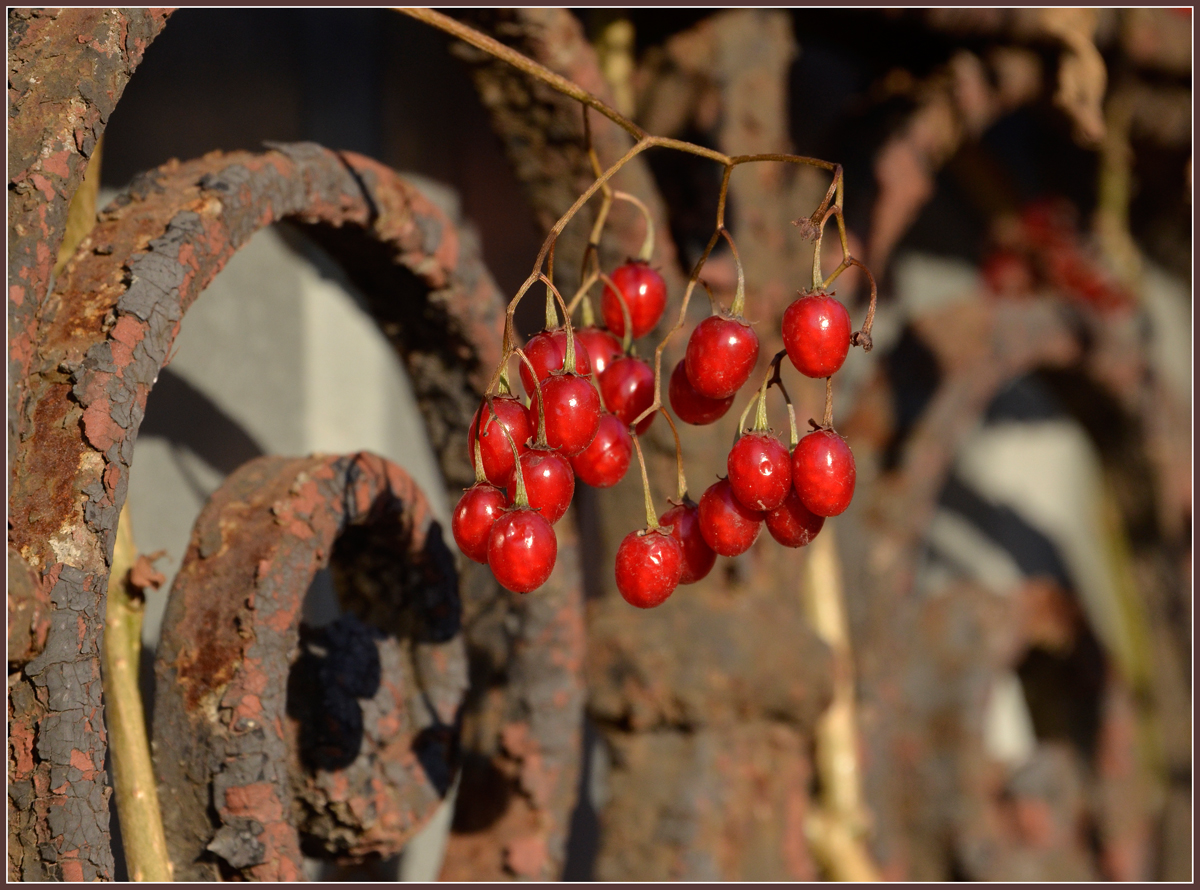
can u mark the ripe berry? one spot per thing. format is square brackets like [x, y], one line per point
[816, 334]
[649, 566]
[645, 294]
[823, 472]
[728, 527]
[549, 482]
[760, 471]
[698, 557]
[689, 405]
[628, 390]
[605, 462]
[547, 351]
[572, 412]
[602, 348]
[792, 524]
[720, 356]
[521, 550]
[493, 445]
[474, 516]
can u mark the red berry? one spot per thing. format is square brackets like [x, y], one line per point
[649, 565]
[720, 356]
[823, 472]
[572, 412]
[792, 524]
[549, 482]
[602, 348]
[547, 351]
[522, 550]
[628, 390]
[497, 454]
[816, 334]
[645, 294]
[728, 526]
[689, 405]
[604, 463]
[474, 516]
[698, 557]
[760, 471]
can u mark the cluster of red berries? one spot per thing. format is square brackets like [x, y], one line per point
[586, 393]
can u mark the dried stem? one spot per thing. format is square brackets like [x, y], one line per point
[133, 772]
[838, 827]
[827, 422]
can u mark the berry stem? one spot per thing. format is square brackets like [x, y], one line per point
[680, 479]
[627, 339]
[541, 433]
[648, 244]
[827, 422]
[739, 298]
[520, 496]
[651, 519]
[777, 380]
[570, 357]
[588, 314]
[477, 453]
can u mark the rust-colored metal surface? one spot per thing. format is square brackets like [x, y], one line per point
[265, 729]
[107, 330]
[522, 729]
[66, 70]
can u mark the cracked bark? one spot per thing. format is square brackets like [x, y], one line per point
[107, 331]
[67, 69]
[353, 743]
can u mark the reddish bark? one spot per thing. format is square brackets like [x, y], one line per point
[108, 329]
[66, 70]
[353, 743]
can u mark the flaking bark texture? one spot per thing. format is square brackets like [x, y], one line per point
[67, 69]
[107, 331]
[267, 731]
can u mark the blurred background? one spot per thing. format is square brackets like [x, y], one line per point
[1014, 576]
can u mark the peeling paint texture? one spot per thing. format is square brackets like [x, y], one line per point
[66, 70]
[106, 330]
[265, 729]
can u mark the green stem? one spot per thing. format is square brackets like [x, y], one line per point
[133, 773]
[777, 380]
[648, 243]
[680, 480]
[739, 298]
[541, 433]
[651, 519]
[520, 496]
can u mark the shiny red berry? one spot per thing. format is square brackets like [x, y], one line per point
[549, 482]
[728, 526]
[522, 549]
[602, 347]
[572, 412]
[645, 294]
[649, 566]
[698, 557]
[547, 351]
[605, 462]
[628, 390]
[688, 405]
[792, 524]
[816, 334]
[474, 516]
[720, 356]
[760, 471]
[823, 472]
[497, 454]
